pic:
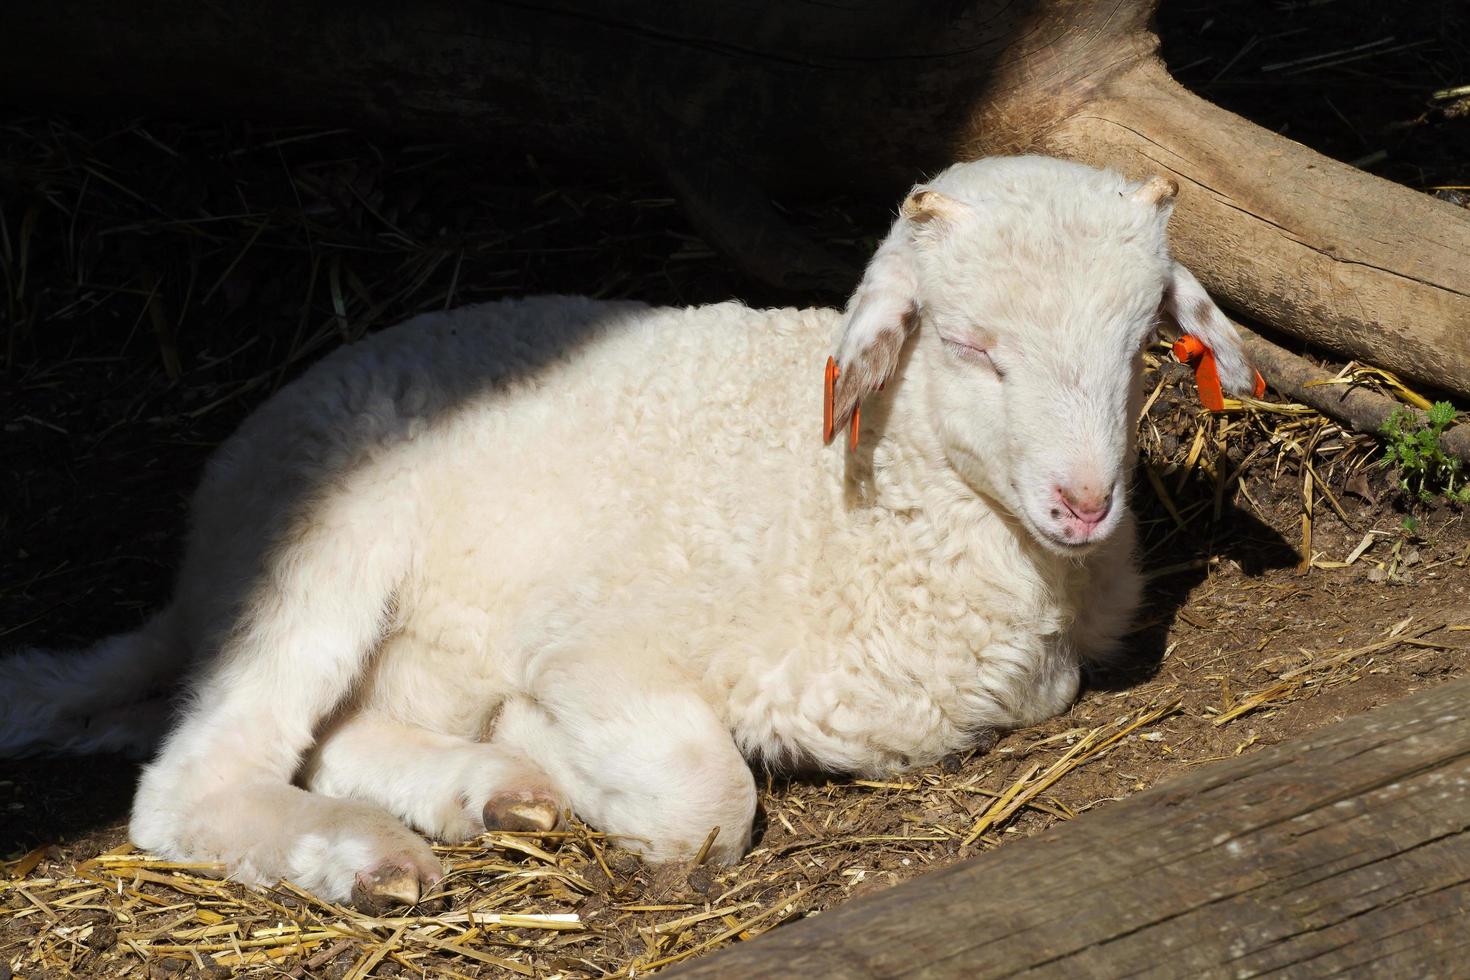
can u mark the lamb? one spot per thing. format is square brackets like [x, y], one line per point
[554, 554]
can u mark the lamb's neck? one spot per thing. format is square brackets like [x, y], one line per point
[906, 474]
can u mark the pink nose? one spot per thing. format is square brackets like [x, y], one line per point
[1086, 504]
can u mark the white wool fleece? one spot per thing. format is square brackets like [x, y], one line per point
[597, 553]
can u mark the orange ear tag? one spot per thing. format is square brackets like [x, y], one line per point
[1189, 349]
[829, 381]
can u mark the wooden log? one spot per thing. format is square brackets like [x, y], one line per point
[1347, 850]
[1358, 408]
[798, 95]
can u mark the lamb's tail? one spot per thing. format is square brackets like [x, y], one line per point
[111, 697]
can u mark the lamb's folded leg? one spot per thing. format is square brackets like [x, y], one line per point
[640, 755]
[220, 789]
[446, 787]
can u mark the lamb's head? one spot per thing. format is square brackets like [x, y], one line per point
[1018, 293]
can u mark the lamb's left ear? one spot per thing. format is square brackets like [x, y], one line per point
[1186, 301]
[885, 306]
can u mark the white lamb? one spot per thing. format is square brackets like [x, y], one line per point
[559, 554]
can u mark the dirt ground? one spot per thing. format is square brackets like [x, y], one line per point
[163, 278]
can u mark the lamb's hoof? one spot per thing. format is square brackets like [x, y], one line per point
[525, 811]
[385, 887]
[986, 739]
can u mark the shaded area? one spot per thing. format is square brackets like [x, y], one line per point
[60, 801]
[177, 276]
[1178, 569]
[780, 90]
[1353, 79]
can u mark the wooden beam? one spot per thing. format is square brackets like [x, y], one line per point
[1346, 850]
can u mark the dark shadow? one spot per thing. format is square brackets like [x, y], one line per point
[1237, 535]
[60, 800]
[1352, 79]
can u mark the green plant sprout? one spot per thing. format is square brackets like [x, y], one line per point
[1426, 471]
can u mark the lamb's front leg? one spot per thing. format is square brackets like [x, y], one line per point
[639, 754]
[220, 788]
[446, 787]
[337, 849]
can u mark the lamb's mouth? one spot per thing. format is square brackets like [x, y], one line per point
[1050, 539]
[1070, 547]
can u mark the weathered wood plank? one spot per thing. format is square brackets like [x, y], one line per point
[1345, 851]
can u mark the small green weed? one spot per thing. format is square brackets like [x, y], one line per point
[1426, 471]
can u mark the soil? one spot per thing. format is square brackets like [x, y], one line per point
[164, 277]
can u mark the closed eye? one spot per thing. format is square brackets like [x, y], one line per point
[973, 353]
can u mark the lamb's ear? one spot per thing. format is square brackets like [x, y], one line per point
[885, 306]
[1186, 301]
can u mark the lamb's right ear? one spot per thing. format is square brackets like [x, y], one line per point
[885, 306]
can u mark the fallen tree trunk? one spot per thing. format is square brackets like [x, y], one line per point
[792, 96]
[1360, 409]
